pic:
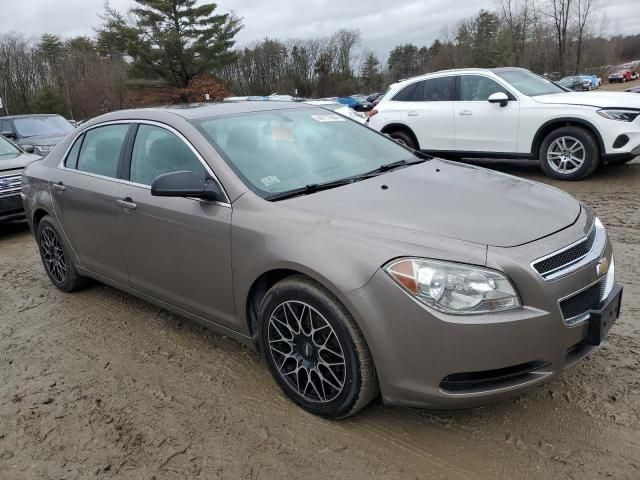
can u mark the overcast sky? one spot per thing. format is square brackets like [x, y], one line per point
[382, 23]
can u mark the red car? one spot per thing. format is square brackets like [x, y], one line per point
[622, 76]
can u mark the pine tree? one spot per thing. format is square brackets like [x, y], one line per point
[172, 39]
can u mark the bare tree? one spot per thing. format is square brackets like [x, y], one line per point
[584, 10]
[560, 13]
[516, 15]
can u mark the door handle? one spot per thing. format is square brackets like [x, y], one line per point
[59, 187]
[127, 204]
[465, 112]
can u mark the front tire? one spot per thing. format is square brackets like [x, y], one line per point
[403, 138]
[569, 153]
[314, 350]
[57, 257]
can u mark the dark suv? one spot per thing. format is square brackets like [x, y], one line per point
[12, 163]
[42, 132]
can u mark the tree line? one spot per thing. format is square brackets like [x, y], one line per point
[171, 43]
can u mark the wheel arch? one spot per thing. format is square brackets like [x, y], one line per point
[556, 123]
[267, 279]
[392, 127]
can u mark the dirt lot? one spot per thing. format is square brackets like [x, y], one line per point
[99, 384]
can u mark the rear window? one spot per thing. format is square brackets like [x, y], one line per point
[100, 151]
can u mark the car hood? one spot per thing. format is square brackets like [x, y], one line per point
[450, 200]
[41, 140]
[16, 162]
[592, 99]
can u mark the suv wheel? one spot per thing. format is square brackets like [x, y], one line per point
[314, 350]
[569, 153]
[403, 138]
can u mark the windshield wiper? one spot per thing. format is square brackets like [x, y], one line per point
[311, 188]
[392, 166]
[316, 187]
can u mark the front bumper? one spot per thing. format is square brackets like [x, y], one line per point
[11, 207]
[429, 359]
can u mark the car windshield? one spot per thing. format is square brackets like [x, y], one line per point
[284, 150]
[529, 83]
[7, 148]
[35, 126]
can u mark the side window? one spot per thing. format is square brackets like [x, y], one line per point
[101, 149]
[157, 151]
[5, 126]
[407, 93]
[72, 157]
[440, 89]
[475, 88]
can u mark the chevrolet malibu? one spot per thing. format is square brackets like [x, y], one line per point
[355, 265]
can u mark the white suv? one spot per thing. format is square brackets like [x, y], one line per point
[511, 113]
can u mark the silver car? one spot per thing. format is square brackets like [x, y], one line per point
[354, 265]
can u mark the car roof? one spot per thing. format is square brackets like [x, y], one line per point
[31, 115]
[216, 109]
[497, 70]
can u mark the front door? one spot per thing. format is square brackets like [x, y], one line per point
[84, 192]
[177, 250]
[481, 126]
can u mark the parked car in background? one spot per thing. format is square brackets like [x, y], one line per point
[12, 162]
[594, 80]
[353, 264]
[42, 132]
[358, 102]
[374, 97]
[336, 107]
[575, 83]
[621, 76]
[511, 113]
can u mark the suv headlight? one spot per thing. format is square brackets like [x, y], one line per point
[454, 288]
[621, 114]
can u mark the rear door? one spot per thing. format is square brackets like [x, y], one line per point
[177, 250]
[429, 112]
[84, 191]
[481, 126]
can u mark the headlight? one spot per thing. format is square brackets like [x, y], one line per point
[622, 114]
[43, 148]
[454, 288]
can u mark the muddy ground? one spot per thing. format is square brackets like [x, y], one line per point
[99, 384]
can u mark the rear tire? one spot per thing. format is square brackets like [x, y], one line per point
[569, 153]
[57, 257]
[403, 138]
[314, 350]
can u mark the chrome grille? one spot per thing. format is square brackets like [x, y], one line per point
[576, 308]
[573, 257]
[565, 257]
[10, 185]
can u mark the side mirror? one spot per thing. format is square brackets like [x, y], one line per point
[499, 97]
[8, 134]
[186, 184]
[28, 148]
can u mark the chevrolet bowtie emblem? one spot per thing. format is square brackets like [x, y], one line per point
[603, 266]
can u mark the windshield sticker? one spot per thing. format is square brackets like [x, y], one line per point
[270, 180]
[284, 134]
[328, 118]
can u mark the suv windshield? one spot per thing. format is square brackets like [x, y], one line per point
[529, 83]
[284, 150]
[7, 148]
[35, 126]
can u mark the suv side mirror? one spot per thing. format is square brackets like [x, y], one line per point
[499, 97]
[8, 134]
[186, 184]
[28, 148]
